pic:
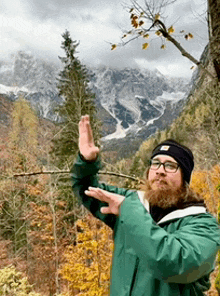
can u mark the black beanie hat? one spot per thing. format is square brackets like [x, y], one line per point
[180, 153]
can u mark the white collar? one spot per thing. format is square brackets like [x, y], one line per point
[192, 210]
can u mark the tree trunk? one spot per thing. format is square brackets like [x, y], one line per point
[214, 33]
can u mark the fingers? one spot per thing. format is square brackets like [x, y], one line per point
[86, 142]
[106, 210]
[85, 129]
[98, 193]
[89, 130]
[114, 200]
[104, 195]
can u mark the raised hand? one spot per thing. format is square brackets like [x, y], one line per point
[86, 142]
[114, 200]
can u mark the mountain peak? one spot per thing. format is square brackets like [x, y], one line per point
[131, 102]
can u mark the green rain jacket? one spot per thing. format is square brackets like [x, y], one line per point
[172, 257]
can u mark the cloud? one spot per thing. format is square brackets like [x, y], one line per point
[58, 9]
[37, 25]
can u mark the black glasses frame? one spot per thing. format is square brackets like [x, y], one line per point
[164, 164]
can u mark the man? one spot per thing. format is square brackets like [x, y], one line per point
[165, 241]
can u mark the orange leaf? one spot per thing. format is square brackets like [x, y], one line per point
[113, 46]
[145, 45]
[157, 16]
[171, 30]
[134, 23]
[158, 33]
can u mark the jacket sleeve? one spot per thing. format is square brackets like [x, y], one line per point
[83, 175]
[180, 257]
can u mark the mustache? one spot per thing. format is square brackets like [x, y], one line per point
[162, 181]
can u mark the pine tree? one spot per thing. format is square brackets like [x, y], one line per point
[78, 100]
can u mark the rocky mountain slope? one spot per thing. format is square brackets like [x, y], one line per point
[131, 103]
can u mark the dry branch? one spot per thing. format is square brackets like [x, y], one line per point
[68, 172]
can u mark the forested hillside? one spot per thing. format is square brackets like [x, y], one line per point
[39, 235]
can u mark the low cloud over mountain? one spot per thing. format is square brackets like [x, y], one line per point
[132, 103]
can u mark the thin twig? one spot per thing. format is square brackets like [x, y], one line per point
[68, 172]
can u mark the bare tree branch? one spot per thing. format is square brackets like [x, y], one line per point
[184, 53]
[68, 172]
[151, 12]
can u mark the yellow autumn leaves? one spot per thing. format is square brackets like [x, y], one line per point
[188, 36]
[114, 46]
[145, 45]
[138, 19]
[171, 30]
[157, 17]
[87, 264]
[204, 183]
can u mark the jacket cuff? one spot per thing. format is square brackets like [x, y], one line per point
[83, 168]
[86, 160]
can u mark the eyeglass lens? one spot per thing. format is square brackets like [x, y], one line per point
[168, 166]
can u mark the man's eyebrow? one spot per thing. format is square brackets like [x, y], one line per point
[158, 158]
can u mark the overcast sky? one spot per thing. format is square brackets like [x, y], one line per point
[37, 26]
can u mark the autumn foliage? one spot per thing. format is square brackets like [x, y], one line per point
[148, 21]
[14, 283]
[56, 250]
[87, 267]
[205, 183]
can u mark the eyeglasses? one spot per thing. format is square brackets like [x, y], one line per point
[169, 166]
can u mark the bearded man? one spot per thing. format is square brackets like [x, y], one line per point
[165, 241]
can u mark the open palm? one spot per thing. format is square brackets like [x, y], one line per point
[112, 199]
[86, 142]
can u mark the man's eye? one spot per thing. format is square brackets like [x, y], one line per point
[155, 163]
[170, 165]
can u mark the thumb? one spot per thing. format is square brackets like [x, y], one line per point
[106, 210]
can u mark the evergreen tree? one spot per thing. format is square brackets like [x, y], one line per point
[78, 100]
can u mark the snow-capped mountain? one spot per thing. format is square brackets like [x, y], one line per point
[132, 103]
[34, 79]
[136, 99]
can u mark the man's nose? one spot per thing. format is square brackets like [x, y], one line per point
[161, 170]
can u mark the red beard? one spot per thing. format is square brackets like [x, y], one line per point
[165, 197]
